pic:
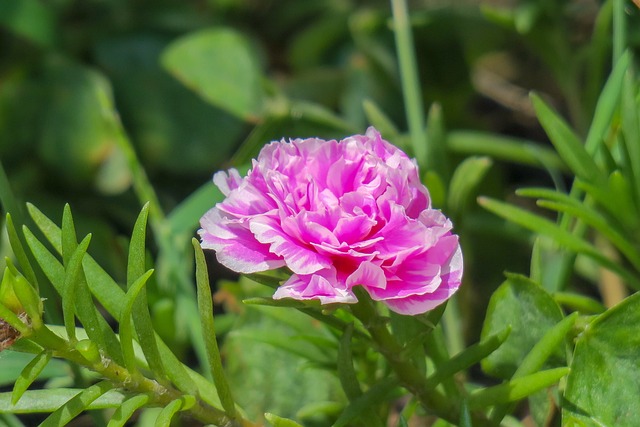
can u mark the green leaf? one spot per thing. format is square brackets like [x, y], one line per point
[566, 142]
[28, 298]
[516, 389]
[465, 181]
[559, 235]
[607, 104]
[126, 324]
[126, 410]
[140, 308]
[166, 415]
[602, 388]
[77, 404]
[19, 252]
[220, 66]
[379, 120]
[68, 235]
[346, 372]
[14, 362]
[499, 147]
[370, 399]
[185, 217]
[13, 320]
[72, 277]
[530, 311]
[205, 308]
[49, 400]
[277, 421]
[437, 159]
[564, 203]
[468, 357]
[29, 374]
[578, 302]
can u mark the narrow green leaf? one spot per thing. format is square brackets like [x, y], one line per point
[579, 302]
[503, 148]
[184, 217]
[277, 421]
[437, 159]
[51, 267]
[564, 203]
[49, 400]
[19, 252]
[558, 234]
[140, 309]
[50, 230]
[126, 324]
[516, 389]
[13, 363]
[566, 142]
[468, 357]
[379, 120]
[607, 103]
[29, 374]
[465, 415]
[270, 302]
[126, 410]
[76, 405]
[631, 129]
[72, 277]
[346, 373]
[465, 181]
[68, 236]
[166, 414]
[372, 397]
[13, 320]
[205, 308]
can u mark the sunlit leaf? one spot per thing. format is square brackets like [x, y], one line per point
[29, 374]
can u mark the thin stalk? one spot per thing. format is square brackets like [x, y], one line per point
[619, 29]
[409, 77]
[434, 401]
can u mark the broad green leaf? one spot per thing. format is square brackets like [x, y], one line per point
[516, 389]
[499, 147]
[602, 388]
[530, 311]
[465, 181]
[29, 374]
[559, 235]
[77, 404]
[126, 410]
[368, 400]
[277, 421]
[220, 66]
[468, 357]
[205, 308]
[45, 400]
[14, 362]
[566, 142]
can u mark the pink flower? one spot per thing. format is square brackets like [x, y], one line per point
[338, 215]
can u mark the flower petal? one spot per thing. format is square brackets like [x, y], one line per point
[322, 286]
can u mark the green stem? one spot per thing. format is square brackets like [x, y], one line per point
[409, 77]
[410, 377]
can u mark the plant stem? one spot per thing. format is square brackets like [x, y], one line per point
[446, 407]
[409, 78]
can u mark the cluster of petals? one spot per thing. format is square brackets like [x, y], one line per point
[338, 214]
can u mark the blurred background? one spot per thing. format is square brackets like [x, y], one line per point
[189, 87]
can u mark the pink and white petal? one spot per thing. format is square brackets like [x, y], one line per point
[242, 255]
[368, 275]
[418, 304]
[321, 286]
[298, 258]
[227, 181]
